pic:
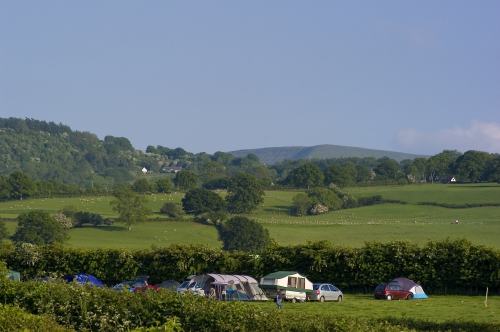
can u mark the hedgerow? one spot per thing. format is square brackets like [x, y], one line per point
[16, 319]
[441, 267]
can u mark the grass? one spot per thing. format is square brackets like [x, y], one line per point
[435, 309]
[352, 227]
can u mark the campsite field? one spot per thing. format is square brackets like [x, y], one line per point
[384, 222]
[437, 309]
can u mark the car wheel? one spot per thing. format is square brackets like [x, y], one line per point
[322, 299]
[388, 297]
[294, 300]
[409, 297]
[339, 299]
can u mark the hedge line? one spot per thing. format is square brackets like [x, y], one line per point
[94, 309]
[441, 267]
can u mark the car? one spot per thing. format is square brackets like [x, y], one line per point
[138, 285]
[392, 291]
[326, 292]
[189, 286]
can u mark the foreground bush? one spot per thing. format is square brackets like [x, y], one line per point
[16, 319]
[94, 309]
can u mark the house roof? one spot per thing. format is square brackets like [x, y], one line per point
[279, 274]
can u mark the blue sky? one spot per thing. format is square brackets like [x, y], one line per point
[413, 76]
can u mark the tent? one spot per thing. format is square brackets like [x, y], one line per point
[226, 287]
[411, 286]
[13, 275]
[84, 279]
[293, 285]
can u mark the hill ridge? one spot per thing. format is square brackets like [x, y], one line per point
[273, 155]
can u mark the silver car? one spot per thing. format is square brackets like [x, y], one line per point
[326, 292]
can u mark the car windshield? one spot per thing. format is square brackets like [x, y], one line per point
[316, 286]
[184, 284]
[380, 287]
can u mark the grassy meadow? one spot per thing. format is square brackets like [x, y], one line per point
[438, 309]
[412, 221]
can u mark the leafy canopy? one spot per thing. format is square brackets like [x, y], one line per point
[241, 233]
[198, 201]
[130, 206]
[38, 227]
[245, 193]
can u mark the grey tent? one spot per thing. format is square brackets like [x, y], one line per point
[227, 287]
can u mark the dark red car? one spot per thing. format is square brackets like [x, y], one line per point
[139, 285]
[392, 291]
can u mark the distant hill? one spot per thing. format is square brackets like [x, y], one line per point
[276, 154]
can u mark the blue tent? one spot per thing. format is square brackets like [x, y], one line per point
[85, 279]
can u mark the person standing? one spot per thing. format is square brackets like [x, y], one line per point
[279, 300]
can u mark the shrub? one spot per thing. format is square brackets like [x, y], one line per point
[370, 200]
[16, 319]
[82, 217]
[164, 185]
[221, 183]
[211, 218]
[171, 209]
[301, 205]
[65, 221]
[326, 197]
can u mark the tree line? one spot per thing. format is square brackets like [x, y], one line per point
[55, 154]
[469, 167]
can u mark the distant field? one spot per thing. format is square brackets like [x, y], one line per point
[412, 222]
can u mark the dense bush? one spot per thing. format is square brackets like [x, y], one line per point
[88, 218]
[171, 209]
[370, 200]
[16, 319]
[220, 183]
[441, 267]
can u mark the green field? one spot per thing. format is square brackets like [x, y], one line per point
[411, 221]
[435, 309]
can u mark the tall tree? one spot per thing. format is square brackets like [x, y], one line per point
[245, 193]
[164, 185]
[185, 180]
[306, 176]
[3, 231]
[21, 186]
[130, 206]
[471, 166]
[440, 167]
[200, 200]
[341, 175]
[240, 233]
[38, 227]
[142, 185]
[492, 172]
[387, 169]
